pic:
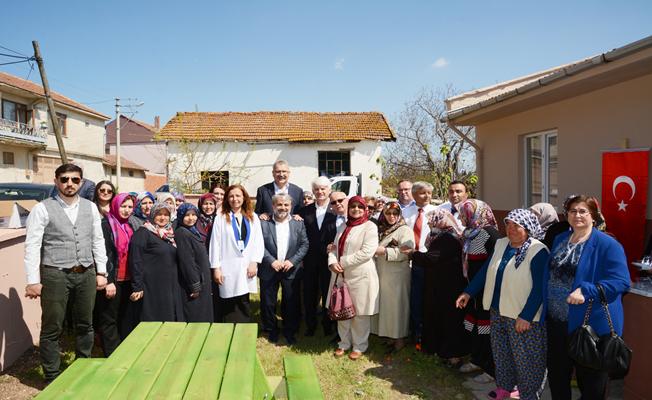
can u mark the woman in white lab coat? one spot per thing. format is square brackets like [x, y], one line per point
[236, 248]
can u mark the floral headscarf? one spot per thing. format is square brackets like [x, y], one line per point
[139, 199]
[546, 214]
[161, 197]
[179, 196]
[384, 227]
[528, 221]
[442, 221]
[205, 221]
[181, 213]
[476, 215]
[166, 233]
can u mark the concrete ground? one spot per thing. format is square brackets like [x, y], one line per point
[480, 391]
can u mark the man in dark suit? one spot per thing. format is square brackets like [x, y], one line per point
[286, 244]
[281, 184]
[321, 227]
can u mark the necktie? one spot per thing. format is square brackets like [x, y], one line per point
[453, 209]
[417, 228]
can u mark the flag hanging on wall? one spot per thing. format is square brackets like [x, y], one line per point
[624, 199]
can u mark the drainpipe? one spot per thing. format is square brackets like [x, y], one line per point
[478, 156]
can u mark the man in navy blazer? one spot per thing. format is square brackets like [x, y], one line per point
[286, 244]
[281, 184]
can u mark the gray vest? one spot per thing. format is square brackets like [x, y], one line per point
[64, 244]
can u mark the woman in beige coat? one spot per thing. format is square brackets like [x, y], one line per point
[393, 268]
[355, 246]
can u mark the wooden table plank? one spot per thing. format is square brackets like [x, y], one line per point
[206, 379]
[173, 379]
[117, 365]
[238, 381]
[138, 380]
[301, 378]
[71, 381]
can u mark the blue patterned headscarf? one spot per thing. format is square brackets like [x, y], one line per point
[139, 198]
[181, 213]
[528, 221]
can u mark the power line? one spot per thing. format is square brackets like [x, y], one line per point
[15, 62]
[13, 51]
[13, 56]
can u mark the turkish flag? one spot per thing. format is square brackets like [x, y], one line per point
[624, 199]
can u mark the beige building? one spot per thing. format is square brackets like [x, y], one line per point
[541, 136]
[27, 143]
[132, 175]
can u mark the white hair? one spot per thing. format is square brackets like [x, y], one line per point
[281, 197]
[321, 181]
[420, 185]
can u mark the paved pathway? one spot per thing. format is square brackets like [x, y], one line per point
[480, 390]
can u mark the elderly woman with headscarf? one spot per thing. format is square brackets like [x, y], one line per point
[393, 268]
[351, 259]
[479, 238]
[110, 310]
[144, 203]
[443, 330]
[513, 286]
[194, 266]
[154, 270]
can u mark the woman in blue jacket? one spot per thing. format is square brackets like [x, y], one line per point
[581, 259]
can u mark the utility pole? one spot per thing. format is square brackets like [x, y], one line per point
[50, 103]
[118, 164]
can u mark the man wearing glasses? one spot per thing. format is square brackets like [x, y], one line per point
[64, 256]
[338, 207]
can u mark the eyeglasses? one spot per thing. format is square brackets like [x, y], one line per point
[581, 212]
[337, 201]
[105, 191]
[74, 179]
[357, 205]
[371, 207]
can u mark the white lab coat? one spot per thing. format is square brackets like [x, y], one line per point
[224, 254]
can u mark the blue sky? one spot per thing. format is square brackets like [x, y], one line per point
[336, 55]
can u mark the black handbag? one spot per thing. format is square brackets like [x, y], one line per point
[583, 343]
[616, 355]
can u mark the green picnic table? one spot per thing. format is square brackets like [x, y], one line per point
[176, 360]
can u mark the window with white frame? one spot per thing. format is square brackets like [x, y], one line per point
[541, 168]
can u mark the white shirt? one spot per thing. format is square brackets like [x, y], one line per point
[410, 214]
[320, 213]
[38, 219]
[284, 190]
[282, 238]
[449, 207]
[341, 219]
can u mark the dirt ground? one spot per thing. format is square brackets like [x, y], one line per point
[22, 380]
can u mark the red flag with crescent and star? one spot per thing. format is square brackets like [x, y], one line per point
[624, 199]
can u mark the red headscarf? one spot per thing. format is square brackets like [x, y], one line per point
[351, 222]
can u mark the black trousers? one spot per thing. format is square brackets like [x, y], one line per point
[290, 304]
[316, 279]
[592, 383]
[235, 309]
[113, 318]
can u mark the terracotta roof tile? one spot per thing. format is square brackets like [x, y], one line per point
[34, 88]
[110, 160]
[277, 125]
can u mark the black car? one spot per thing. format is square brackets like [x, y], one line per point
[25, 191]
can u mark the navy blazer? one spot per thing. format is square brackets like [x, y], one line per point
[297, 248]
[602, 261]
[319, 239]
[264, 198]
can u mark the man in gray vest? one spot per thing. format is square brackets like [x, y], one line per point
[64, 257]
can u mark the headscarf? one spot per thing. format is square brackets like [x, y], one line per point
[161, 197]
[204, 221]
[600, 223]
[442, 221]
[179, 196]
[528, 221]
[478, 215]
[351, 222]
[181, 213]
[165, 233]
[385, 228]
[122, 231]
[546, 214]
[139, 199]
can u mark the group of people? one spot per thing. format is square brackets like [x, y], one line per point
[441, 276]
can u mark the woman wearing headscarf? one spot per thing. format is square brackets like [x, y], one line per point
[236, 248]
[356, 242]
[547, 216]
[111, 318]
[479, 236]
[144, 203]
[194, 266]
[179, 199]
[393, 268]
[513, 286]
[153, 266]
[443, 330]
[207, 205]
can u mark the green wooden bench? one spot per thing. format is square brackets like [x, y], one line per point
[175, 360]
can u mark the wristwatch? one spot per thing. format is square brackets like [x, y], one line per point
[101, 274]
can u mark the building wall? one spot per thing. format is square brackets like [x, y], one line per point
[128, 183]
[20, 171]
[251, 164]
[148, 155]
[586, 125]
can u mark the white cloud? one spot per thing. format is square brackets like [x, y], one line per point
[339, 64]
[441, 62]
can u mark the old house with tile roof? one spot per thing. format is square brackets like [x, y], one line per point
[27, 143]
[232, 147]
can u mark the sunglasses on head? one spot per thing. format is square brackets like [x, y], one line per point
[74, 179]
[337, 201]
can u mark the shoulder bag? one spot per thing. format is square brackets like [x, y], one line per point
[341, 306]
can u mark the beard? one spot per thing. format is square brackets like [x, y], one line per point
[281, 216]
[69, 192]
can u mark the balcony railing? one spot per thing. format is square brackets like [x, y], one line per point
[21, 132]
